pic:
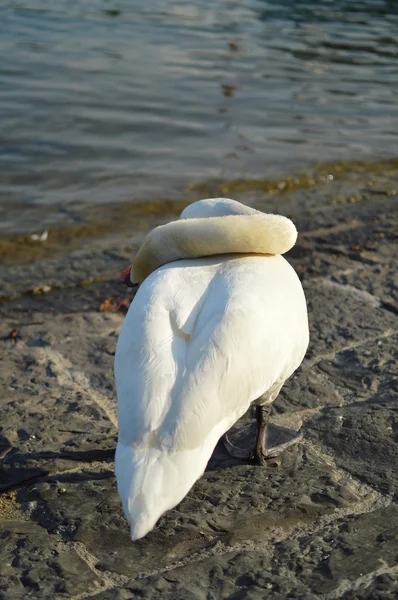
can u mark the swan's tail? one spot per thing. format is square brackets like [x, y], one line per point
[150, 482]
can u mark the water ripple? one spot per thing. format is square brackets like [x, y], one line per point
[130, 100]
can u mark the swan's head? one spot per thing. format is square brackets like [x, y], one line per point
[208, 228]
[158, 248]
[125, 278]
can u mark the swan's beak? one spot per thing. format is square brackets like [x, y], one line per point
[125, 277]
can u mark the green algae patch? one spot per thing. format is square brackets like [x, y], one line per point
[114, 218]
[23, 249]
[290, 183]
[388, 167]
[321, 174]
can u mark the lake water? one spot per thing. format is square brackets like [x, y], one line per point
[127, 100]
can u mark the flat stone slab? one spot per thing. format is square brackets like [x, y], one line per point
[344, 554]
[231, 504]
[36, 564]
[342, 317]
[55, 416]
[363, 438]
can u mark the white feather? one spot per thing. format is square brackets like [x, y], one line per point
[202, 339]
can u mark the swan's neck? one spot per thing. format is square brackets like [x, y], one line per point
[194, 238]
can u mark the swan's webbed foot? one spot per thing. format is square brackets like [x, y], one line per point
[271, 440]
[234, 451]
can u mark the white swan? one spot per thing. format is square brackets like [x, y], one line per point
[221, 324]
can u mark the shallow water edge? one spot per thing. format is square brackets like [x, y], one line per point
[96, 222]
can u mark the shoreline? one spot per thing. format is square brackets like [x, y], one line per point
[96, 221]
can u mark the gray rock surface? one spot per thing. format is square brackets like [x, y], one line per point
[321, 522]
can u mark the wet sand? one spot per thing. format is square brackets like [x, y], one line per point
[319, 524]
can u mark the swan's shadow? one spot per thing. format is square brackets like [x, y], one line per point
[243, 435]
[23, 469]
[18, 469]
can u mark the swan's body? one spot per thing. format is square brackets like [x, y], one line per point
[203, 338]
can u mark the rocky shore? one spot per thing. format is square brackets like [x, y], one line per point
[321, 523]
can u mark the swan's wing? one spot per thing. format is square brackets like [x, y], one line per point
[151, 350]
[232, 357]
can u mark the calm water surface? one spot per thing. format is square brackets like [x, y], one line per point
[105, 101]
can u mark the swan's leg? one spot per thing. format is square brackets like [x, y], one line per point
[261, 447]
[271, 439]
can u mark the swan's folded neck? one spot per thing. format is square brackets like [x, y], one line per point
[257, 233]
